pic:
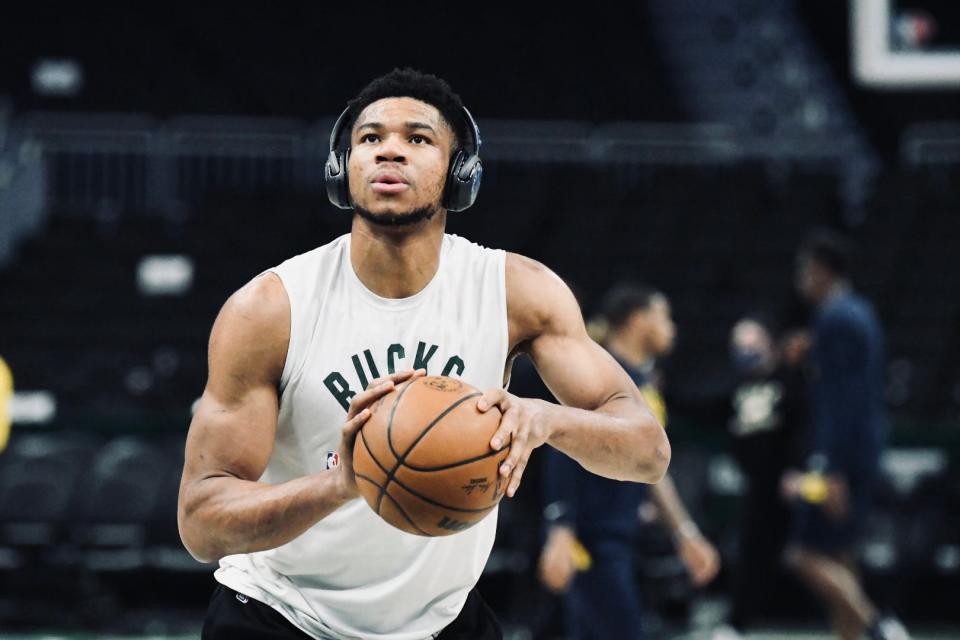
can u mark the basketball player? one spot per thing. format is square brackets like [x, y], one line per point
[849, 434]
[603, 600]
[298, 355]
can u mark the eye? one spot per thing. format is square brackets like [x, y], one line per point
[418, 139]
[369, 137]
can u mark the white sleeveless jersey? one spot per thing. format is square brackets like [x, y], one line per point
[352, 575]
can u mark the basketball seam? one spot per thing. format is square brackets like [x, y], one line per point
[400, 458]
[404, 514]
[383, 490]
[377, 462]
[435, 422]
[393, 412]
[453, 465]
[437, 503]
[395, 503]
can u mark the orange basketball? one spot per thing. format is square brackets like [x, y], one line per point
[423, 459]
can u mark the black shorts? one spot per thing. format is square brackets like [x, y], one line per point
[812, 528]
[234, 616]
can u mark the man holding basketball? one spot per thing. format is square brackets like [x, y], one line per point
[299, 354]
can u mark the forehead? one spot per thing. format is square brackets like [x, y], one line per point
[402, 109]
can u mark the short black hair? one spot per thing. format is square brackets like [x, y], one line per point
[425, 87]
[829, 249]
[624, 299]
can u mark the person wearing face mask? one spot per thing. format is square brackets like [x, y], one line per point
[766, 426]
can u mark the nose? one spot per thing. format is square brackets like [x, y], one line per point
[390, 151]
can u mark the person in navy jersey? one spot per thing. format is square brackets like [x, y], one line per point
[849, 432]
[593, 521]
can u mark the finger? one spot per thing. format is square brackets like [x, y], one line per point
[353, 425]
[492, 398]
[518, 449]
[398, 377]
[504, 433]
[368, 396]
[517, 476]
[406, 374]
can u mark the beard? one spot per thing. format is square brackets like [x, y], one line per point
[407, 219]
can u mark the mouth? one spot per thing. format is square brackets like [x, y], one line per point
[389, 182]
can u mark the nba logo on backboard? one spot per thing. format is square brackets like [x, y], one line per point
[333, 459]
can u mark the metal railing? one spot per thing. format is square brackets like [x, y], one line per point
[23, 189]
[931, 144]
[110, 163]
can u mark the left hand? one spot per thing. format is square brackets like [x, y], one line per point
[700, 559]
[557, 560]
[523, 426]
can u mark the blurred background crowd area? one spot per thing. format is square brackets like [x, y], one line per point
[152, 160]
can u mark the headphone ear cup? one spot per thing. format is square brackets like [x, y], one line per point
[463, 181]
[468, 168]
[335, 170]
[338, 184]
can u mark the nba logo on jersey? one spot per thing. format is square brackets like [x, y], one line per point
[333, 459]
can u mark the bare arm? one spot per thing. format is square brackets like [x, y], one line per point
[606, 425]
[672, 510]
[699, 556]
[223, 508]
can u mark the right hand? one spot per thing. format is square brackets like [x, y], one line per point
[557, 560]
[357, 416]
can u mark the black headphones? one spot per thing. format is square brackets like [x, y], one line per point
[463, 176]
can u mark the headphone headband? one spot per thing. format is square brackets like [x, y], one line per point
[463, 176]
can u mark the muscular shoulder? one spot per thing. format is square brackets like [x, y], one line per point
[250, 336]
[538, 301]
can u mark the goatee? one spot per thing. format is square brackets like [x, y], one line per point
[397, 219]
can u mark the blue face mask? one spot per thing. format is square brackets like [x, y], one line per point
[746, 361]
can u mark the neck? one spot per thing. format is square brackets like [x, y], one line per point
[630, 351]
[396, 262]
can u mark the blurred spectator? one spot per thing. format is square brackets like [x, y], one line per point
[593, 521]
[849, 432]
[6, 393]
[766, 427]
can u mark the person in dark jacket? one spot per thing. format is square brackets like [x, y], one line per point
[849, 433]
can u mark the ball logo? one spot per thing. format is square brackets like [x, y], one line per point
[444, 384]
[480, 485]
[333, 459]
